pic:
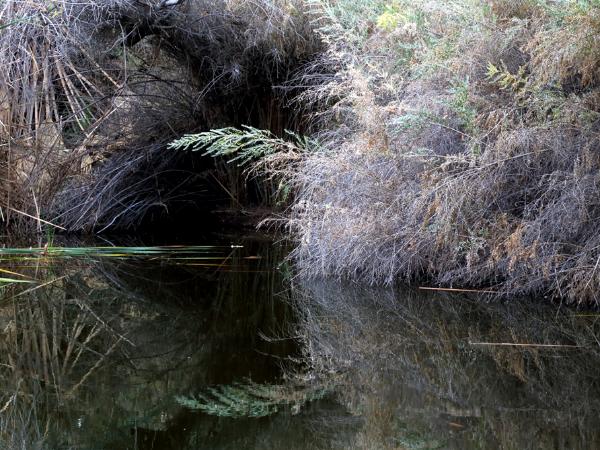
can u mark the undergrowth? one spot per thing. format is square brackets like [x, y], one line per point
[92, 92]
[462, 142]
[453, 141]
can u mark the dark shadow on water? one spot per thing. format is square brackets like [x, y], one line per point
[122, 353]
[95, 354]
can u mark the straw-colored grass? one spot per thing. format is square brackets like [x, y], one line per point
[460, 140]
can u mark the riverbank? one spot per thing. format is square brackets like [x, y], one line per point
[450, 141]
[465, 149]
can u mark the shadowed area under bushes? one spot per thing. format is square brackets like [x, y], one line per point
[115, 81]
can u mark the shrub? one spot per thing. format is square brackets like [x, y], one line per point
[85, 81]
[471, 161]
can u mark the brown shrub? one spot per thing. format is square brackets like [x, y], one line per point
[489, 176]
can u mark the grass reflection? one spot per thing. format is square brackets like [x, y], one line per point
[412, 366]
[93, 355]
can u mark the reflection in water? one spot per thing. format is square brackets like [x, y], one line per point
[95, 354]
[195, 352]
[436, 371]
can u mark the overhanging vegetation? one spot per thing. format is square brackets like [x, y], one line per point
[455, 141]
[94, 91]
[462, 147]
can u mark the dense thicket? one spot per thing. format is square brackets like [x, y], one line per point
[456, 141]
[462, 145]
[92, 91]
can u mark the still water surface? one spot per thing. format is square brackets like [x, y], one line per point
[220, 347]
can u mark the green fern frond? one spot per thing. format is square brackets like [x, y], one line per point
[239, 145]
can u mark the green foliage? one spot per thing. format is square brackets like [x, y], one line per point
[237, 400]
[506, 80]
[259, 151]
[105, 251]
[416, 440]
[347, 19]
[463, 107]
[240, 145]
[9, 24]
[390, 18]
[249, 399]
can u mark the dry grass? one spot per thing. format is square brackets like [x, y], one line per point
[83, 81]
[468, 160]
[50, 85]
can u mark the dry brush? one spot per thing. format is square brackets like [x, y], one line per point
[461, 147]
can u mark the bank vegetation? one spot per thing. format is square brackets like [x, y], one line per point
[451, 141]
[461, 145]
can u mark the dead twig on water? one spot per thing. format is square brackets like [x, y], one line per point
[514, 344]
[478, 291]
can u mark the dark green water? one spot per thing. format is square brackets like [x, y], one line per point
[223, 349]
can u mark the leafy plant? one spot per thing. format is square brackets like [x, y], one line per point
[240, 145]
[464, 109]
[506, 80]
[390, 18]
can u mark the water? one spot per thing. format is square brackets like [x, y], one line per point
[222, 348]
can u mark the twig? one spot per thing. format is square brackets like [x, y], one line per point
[513, 344]
[93, 369]
[36, 218]
[39, 286]
[37, 211]
[226, 190]
[480, 291]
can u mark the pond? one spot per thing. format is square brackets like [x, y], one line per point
[220, 346]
